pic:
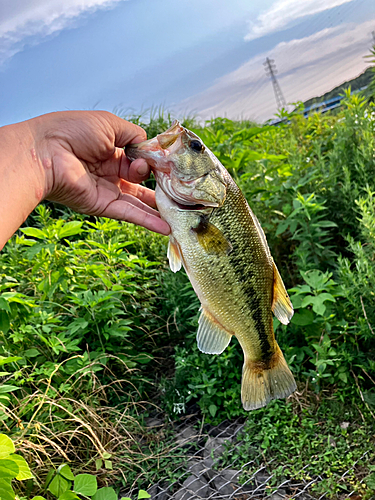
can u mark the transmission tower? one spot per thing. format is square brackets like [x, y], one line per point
[272, 71]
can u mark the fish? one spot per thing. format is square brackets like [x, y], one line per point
[218, 240]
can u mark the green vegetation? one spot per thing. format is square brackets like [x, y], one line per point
[305, 439]
[60, 483]
[93, 324]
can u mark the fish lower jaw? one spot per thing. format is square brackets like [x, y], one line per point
[184, 205]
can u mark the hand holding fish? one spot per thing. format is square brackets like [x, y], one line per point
[75, 158]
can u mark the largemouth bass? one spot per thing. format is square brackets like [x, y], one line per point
[218, 240]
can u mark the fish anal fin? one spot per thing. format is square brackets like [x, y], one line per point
[262, 382]
[211, 239]
[212, 338]
[281, 304]
[174, 255]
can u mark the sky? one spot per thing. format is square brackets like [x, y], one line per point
[192, 57]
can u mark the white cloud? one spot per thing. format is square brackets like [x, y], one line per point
[307, 67]
[284, 12]
[23, 23]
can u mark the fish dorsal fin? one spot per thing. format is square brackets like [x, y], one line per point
[281, 304]
[211, 239]
[174, 255]
[211, 336]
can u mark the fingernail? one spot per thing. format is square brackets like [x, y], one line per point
[143, 169]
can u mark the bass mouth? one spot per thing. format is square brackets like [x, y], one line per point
[197, 206]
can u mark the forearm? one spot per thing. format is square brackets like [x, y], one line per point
[22, 178]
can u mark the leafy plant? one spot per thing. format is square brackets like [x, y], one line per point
[12, 466]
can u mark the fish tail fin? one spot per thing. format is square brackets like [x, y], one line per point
[264, 381]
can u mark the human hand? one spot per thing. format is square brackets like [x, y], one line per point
[87, 170]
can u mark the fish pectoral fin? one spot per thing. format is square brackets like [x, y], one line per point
[211, 239]
[281, 304]
[212, 338]
[174, 255]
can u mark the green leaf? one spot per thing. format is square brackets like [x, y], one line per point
[327, 296]
[325, 223]
[24, 471]
[318, 306]
[85, 484]
[297, 301]
[70, 229]
[303, 318]
[369, 397]
[248, 133]
[108, 464]
[313, 278]
[6, 490]
[283, 226]
[105, 493]
[34, 232]
[66, 472]
[9, 359]
[4, 321]
[6, 446]
[58, 485]
[370, 481]
[4, 305]
[143, 494]
[38, 498]
[300, 289]
[143, 358]
[68, 495]
[212, 409]
[8, 468]
[31, 353]
[8, 388]
[317, 302]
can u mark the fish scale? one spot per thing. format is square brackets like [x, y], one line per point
[218, 240]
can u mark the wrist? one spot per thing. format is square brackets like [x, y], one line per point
[23, 178]
[26, 161]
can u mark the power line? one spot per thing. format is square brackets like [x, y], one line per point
[271, 72]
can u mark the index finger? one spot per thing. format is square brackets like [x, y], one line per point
[125, 132]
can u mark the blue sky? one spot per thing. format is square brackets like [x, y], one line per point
[198, 56]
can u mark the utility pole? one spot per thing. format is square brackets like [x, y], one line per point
[272, 71]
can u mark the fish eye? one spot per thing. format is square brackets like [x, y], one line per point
[196, 146]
